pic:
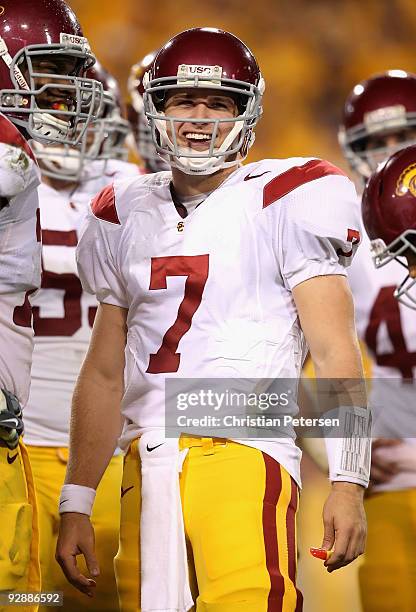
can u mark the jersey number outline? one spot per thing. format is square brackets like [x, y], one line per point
[386, 309]
[22, 315]
[195, 268]
[69, 283]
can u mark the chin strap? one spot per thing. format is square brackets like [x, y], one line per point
[50, 126]
[7, 59]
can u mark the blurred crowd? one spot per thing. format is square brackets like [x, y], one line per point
[311, 54]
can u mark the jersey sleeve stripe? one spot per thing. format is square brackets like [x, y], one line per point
[293, 178]
[103, 205]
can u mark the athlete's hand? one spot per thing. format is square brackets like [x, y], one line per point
[76, 537]
[345, 525]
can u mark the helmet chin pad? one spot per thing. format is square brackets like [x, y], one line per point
[201, 162]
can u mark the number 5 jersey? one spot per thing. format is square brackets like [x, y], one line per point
[210, 295]
[63, 314]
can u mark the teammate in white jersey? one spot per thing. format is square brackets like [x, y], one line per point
[380, 118]
[212, 270]
[44, 96]
[63, 319]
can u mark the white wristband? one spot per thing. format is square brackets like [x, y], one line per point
[76, 498]
[349, 454]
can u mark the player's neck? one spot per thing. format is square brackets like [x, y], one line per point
[58, 184]
[188, 185]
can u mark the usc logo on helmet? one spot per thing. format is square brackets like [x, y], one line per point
[2, 9]
[407, 181]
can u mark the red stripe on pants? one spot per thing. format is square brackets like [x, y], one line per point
[271, 496]
[291, 539]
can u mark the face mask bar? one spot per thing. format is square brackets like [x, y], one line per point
[205, 162]
[383, 255]
[405, 293]
[47, 124]
[360, 161]
[103, 140]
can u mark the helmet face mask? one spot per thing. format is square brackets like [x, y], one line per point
[82, 97]
[398, 250]
[43, 62]
[104, 139]
[215, 158]
[214, 61]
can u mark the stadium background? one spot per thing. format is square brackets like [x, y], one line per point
[311, 54]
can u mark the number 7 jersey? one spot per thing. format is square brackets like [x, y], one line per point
[210, 295]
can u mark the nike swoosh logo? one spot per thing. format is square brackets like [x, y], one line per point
[10, 459]
[253, 176]
[62, 502]
[150, 449]
[124, 491]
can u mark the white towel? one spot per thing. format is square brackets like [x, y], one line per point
[164, 566]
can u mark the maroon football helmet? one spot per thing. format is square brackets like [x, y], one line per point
[102, 140]
[383, 104]
[43, 61]
[210, 59]
[389, 215]
[138, 122]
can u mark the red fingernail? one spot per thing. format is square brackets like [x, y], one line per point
[320, 553]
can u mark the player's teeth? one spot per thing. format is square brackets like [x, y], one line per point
[198, 136]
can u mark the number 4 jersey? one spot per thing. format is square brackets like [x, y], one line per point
[210, 295]
[389, 331]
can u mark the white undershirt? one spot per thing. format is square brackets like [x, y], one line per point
[191, 202]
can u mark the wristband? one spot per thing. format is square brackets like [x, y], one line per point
[349, 454]
[76, 498]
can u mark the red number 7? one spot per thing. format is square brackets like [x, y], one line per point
[195, 268]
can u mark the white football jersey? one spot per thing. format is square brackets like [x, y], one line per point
[63, 314]
[19, 258]
[389, 330]
[210, 295]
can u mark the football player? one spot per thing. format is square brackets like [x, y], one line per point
[44, 96]
[141, 133]
[63, 319]
[212, 270]
[380, 118]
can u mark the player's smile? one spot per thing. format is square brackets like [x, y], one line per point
[199, 110]
[199, 141]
